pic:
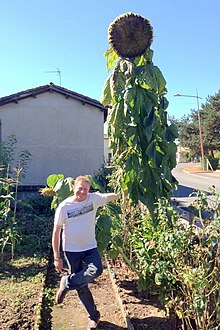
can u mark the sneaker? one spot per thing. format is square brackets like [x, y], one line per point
[62, 291]
[94, 323]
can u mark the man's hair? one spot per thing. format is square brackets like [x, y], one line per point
[82, 178]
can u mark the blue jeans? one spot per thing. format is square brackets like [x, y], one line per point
[84, 267]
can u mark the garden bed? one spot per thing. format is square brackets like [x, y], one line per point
[143, 311]
[21, 290]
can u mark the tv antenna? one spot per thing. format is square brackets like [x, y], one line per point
[58, 72]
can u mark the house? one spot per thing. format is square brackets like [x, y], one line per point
[63, 131]
[107, 150]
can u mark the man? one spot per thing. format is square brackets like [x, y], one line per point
[76, 216]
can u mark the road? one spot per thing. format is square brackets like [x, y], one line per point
[190, 182]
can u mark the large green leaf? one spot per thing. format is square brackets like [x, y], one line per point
[95, 185]
[151, 149]
[148, 124]
[104, 222]
[172, 154]
[103, 232]
[117, 83]
[64, 188]
[158, 156]
[129, 100]
[114, 209]
[171, 133]
[145, 58]
[163, 103]
[146, 77]
[141, 103]
[132, 163]
[161, 82]
[112, 57]
[132, 138]
[106, 98]
[53, 179]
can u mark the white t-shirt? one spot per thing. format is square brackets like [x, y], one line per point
[78, 221]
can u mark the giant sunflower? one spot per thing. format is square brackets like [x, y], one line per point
[130, 35]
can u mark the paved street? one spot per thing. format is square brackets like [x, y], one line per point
[191, 180]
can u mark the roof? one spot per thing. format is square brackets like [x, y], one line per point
[33, 92]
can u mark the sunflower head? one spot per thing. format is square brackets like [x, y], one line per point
[130, 35]
[47, 191]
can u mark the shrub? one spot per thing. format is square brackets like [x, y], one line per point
[35, 234]
[177, 259]
[213, 161]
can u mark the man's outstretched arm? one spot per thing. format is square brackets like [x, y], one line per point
[111, 196]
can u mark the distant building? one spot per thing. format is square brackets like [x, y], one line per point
[63, 131]
[181, 154]
[107, 150]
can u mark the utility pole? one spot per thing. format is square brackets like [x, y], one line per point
[199, 124]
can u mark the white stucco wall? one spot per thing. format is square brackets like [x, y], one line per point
[63, 135]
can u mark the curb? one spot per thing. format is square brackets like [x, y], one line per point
[117, 295]
[206, 175]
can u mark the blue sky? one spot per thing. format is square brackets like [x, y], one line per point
[40, 36]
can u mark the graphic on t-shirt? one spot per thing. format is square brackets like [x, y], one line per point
[82, 210]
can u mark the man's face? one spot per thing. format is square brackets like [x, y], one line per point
[81, 190]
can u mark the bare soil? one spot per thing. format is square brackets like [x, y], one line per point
[20, 289]
[144, 310]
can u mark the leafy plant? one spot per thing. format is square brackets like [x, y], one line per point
[142, 141]
[214, 162]
[8, 161]
[59, 187]
[8, 208]
[7, 149]
[179, 260]
[9, 191]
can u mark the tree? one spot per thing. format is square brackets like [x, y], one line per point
[188, 132]
[211, 123]
[188, 127]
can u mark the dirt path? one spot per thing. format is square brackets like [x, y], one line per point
[143, 313]
[72, 315]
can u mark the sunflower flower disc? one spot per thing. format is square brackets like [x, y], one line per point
[130, 35]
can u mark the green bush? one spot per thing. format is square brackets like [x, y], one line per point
[177, 259]
[35, 234]
[217, 154]
[214, 162]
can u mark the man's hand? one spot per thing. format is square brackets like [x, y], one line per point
[58, 263]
